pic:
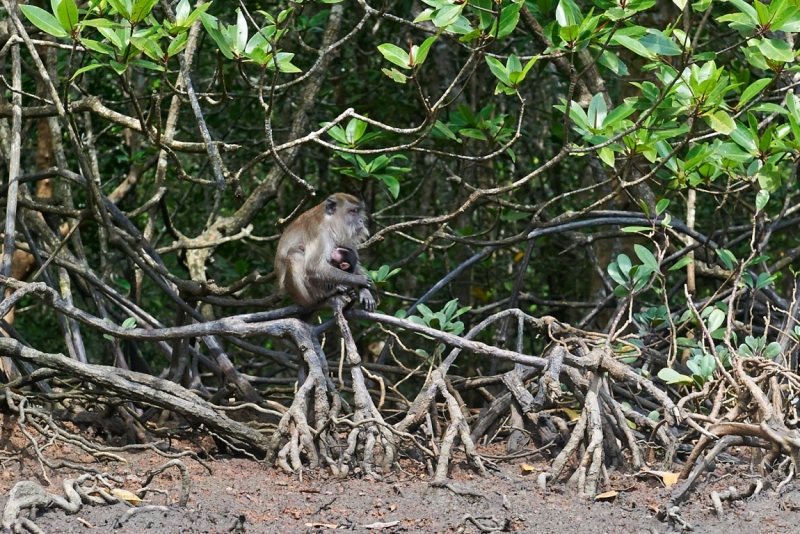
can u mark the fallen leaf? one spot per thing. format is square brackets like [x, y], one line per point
[392, 507]
[670, 478]
[322, 525]
[607, 496]
[572, 414]
[126, 495]
[667, 477]
[527, 469]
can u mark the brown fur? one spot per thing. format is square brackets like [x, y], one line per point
[303, 259]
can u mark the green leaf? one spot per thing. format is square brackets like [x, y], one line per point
[447, 15]
[395, 75]
[443, 129]
[721, 122]
[597, 111]
[149, 46]
[395, 54]
[142, 8]
[473, 133]
[101, 23]
[647, 257]
[147, 64]
[662, 206]
[195, 14]
[214, 29]
[625, 264]
[610, 60]
[509, 18]
[87, 68]
[130, 322]
[715, 319]
[499, 70]
[634, 46]
[178, 44]
[567, 14]
[727, 257]
[762, 197]
[621, 292]
[423, 50]
[683, 262]
[241, 32]
[355, 130]
[615, 273]
[671, 376]
[772, 350]
[182, 11]
[606, 155]
[744, 138]
[123, 7]
[97, 46]
[618, 114]
[747, 9]
[119, 68]
[67, 13]
[776, 50]
[392, 184]
[43, 20]
[752, 90]
[660, 44]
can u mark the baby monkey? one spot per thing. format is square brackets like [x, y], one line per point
[344, 258]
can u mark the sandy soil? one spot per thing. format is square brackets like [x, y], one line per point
[242, 496]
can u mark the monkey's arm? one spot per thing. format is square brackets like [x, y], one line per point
[327, 274]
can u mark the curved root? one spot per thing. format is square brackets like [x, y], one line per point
[364, 438]
[458, 427]
[591, 463]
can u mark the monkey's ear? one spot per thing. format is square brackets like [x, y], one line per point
[330, 205]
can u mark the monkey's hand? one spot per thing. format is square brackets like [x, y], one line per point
[366, 299]
[366, 282]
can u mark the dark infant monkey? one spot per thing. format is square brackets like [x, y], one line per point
[345, 259]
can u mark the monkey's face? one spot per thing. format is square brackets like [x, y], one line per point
[355, 220]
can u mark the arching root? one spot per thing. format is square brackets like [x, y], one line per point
[458, 427]
[370, 431]
[589, 423]
[294, 435]
[27, 494]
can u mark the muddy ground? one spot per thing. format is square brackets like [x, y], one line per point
[241, 492]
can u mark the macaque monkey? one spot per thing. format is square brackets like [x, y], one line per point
[317, 246]
[345, 259]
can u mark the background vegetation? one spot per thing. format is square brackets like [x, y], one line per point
[596, 200]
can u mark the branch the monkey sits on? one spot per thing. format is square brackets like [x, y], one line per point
[314, 247]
